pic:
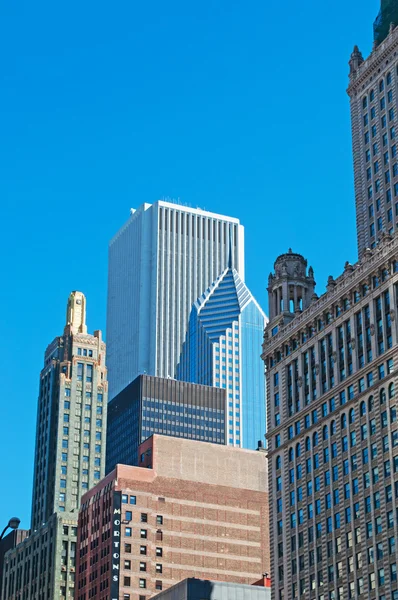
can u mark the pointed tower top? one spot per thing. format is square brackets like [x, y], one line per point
[76, 312]
[356, 60]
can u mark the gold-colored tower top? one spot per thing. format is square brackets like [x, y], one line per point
[76, 313]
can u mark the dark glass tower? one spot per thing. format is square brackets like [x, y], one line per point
[388, 14]
[156, 405]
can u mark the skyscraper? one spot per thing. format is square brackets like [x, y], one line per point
[221, 349]
[333, 437]
[151, 405]
[374, 113]
[160, 262]
[69, 459]
[70, 449]
[331, 367]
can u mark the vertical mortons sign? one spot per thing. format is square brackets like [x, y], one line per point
[116, 520]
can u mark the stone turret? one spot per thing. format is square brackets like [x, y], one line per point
[290, 288]
[356, 60]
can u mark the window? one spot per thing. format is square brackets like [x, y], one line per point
[127, 581]
[142, 583]
[143, 550]
[144, 518]
[158, 585]
[143, 534]
[127, 564]
[89, 373]
[159, 552]
[159, 568]
[142, 566]
[129, 515]
[127, 532]
[127, 548]
[133, 500]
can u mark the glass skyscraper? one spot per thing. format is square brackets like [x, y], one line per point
[157, 405]
[221, 349]
[160, 261]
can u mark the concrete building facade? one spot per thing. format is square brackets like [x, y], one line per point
[69, 458]
[333, 436]
[160, 262]
[156, 405]
[199, 510]
[225, 331]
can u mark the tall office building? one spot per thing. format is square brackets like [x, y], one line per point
[156, 405]
[331, 376]
[332, 431]
[374, 113]
[226, 329]
[160, 262]
[69, 459]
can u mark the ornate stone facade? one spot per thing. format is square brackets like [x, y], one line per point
[333, 437]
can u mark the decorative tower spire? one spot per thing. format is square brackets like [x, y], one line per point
[76, 313]
[290, 289]
[355, 61]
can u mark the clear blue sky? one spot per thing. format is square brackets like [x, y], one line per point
[236, 107]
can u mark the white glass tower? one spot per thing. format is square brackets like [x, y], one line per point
[160, 262]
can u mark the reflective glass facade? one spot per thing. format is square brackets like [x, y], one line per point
[222, 349]
[155, 405]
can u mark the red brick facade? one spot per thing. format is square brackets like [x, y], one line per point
[172, 528]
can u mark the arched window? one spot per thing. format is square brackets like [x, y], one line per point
[391, 391]
[315, 439]
[298, 450]
[351, 416]
[278, 462]
[291, 454]
[382, 396]
[332, 427]
[307, 443]
[325, 433]
[370, 403]
[363, 409]
[343, 421]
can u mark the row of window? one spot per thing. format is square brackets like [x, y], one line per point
[372, 96]
[311, 418]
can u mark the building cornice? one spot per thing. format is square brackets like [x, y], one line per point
[346, 283]
[377, 57]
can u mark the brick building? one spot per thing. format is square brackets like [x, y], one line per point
[199, 510]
